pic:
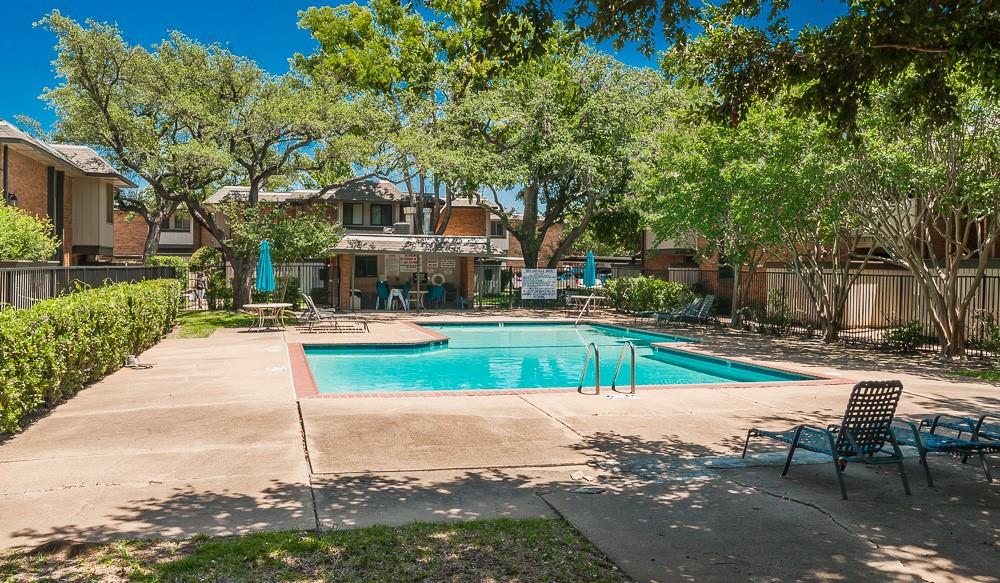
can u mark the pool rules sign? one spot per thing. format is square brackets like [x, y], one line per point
[538, 284]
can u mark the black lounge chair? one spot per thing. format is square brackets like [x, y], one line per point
[861, 436]
[679, 314]
[703, 313]
[983, 438]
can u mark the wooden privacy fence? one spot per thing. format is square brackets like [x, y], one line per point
[23, 287]
[880, 299]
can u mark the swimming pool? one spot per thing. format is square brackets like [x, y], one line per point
[518, 356]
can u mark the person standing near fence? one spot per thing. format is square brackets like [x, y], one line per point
[199, 290]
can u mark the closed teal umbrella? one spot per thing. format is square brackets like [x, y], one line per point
[265, 271]
[590, 271]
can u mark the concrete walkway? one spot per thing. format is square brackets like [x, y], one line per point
[212, 439]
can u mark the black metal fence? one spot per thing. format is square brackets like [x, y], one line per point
[882, 305]
[23, 287]
[500, 287]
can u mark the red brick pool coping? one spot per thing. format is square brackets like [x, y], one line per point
[306, 388]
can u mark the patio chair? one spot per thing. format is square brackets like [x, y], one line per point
[677, 314]
[435, 295]
[703, 313]
[981, 444]
[314, 315]
[860, 437]
[381, 294]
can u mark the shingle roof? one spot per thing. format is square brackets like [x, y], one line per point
[80, 158]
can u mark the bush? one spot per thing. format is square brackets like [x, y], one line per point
[178, 263]
[989, 333]
[903, 336]
[218, 294]
[53, 349]
[645, 293]
[24, 237]
[206, 259]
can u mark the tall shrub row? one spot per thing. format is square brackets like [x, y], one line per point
[51, 350]
[645, 293]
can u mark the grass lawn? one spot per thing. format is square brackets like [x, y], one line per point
[202, 324]
[486, 550]
[986, 375]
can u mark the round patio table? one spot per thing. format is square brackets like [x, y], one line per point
[269, 316]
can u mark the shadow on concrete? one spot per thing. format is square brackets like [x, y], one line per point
[650, 504]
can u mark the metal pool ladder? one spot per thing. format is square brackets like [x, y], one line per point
[621, 358]
[592, 349]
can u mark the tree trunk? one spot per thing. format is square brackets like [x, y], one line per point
[242, 269]
[152, 244]
[734, 309]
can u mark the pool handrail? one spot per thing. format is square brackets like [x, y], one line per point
[618, 369]
[592, 349]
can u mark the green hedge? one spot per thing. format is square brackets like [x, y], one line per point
[645, 293]
[53, 349]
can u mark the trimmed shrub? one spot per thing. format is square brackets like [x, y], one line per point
[219, 294]
[642, 293]
[903, 336]
[53, 349]
[178, 263]
[206, 259]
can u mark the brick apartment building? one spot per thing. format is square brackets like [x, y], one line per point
[70, 185]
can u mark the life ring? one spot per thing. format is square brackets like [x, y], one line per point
[438, 279]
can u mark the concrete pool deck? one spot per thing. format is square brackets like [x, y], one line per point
[213, 439]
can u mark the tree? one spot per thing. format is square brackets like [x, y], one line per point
[701, 178]
[186, 116]
[559, 130]
[412, 69]
[931, 199]
[294, 234]
[152, 209]
[805, 184]
[746, 50]
[24, 237]
[113, 98]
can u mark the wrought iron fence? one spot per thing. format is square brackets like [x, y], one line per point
[500, 287]
[23, 287]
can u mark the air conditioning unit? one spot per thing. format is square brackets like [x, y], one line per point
[402, 228]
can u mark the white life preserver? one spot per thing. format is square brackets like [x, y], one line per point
[438, 279]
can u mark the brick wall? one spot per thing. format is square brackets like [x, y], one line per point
[549, 244]
[468, 222]
[29, 181]
[130, 235]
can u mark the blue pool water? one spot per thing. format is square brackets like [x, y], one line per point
[518, 356]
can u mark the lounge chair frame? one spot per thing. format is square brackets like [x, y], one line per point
[860, 437]
[314, 316]
[930, 441]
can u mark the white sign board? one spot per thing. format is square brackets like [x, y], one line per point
[538, 284]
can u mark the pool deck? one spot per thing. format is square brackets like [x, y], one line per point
[214, 439]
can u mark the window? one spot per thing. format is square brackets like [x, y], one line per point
[354, 213]
[109, 204]
[497, 230]
[178, 223]
[382, 215]
[366, 266]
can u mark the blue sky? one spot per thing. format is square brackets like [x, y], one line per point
[264, 30]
